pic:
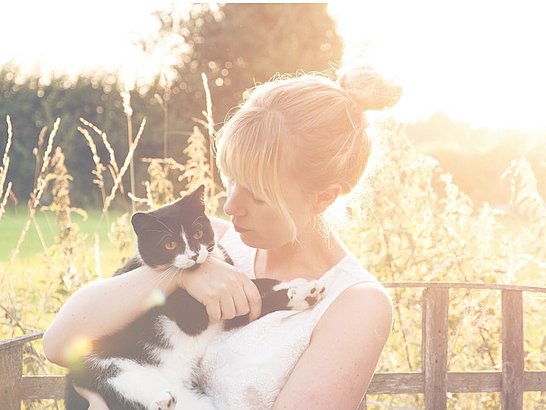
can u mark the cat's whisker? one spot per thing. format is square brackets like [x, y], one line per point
[156, 296]
[168, 274]
[171, 274]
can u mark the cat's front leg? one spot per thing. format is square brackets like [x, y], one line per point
[302, 294]
[146, 385]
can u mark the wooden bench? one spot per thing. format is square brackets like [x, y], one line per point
[434, 381]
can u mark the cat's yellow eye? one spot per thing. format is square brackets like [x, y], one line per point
[170, 245]
[198, 235]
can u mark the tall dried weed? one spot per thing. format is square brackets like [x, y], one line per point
[5, 189]
[419, 226]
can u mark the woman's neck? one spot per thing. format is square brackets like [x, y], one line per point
[307, 258]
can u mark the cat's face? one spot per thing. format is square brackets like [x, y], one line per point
[178, 234]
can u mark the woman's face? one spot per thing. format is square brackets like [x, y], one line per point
[262, 225]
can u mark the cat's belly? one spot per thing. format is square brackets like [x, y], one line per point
[173, 372]
[180, 361]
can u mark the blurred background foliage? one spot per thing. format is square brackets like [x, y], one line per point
[235, 47]
[450, 202]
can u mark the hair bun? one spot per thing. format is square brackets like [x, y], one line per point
[367, 88]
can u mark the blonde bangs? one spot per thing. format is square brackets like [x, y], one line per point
[250, 152]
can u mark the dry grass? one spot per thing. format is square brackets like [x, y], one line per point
[420, 227]
[4, 192]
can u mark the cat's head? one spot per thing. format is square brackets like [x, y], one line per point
[178, 234]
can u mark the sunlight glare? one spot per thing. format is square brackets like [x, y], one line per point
[479, 62]
[74, 353]
[156, 298]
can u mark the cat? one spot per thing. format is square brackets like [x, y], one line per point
[150, 364]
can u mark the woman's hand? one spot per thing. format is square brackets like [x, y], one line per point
[225, 291]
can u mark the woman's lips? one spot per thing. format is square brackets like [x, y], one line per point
[240, 229]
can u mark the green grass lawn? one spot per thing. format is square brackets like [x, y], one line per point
[12, 223]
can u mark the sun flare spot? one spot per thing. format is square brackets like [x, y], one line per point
[77, 350]
[156, 298]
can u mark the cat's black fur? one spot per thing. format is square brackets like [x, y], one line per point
[184, 219]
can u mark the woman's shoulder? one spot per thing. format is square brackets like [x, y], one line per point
[365, 305]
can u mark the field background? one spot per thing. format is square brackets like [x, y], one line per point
[442, 200]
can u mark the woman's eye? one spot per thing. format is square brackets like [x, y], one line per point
[170, 245]
[198, 235]
[258, 201]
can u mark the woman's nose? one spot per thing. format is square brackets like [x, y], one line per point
[234, 205]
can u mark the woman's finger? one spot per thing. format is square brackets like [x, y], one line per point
[214, 311]
[227, 307]
[254, 300]
[242, 307]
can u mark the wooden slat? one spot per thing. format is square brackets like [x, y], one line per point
[457, 382]
[52, 387]
[464, 285]
[21, 340]
[42, 387]
[11, 366]
[397, 383]
[512, 349]
[434, 347]
[534, 381]
[474, 382]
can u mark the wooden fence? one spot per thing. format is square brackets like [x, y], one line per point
[434, 381]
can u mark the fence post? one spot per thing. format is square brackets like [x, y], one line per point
[11, 369]
[512, 349]
[434, 347]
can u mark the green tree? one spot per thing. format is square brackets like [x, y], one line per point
[33, 104]
[239, 45]
[236, 45]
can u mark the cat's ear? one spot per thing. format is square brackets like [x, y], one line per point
[197, 197]
[142, 222]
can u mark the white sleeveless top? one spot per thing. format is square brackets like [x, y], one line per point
[247, 367]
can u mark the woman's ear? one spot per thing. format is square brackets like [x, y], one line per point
[325, 198]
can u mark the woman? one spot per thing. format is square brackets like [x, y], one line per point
[292, 148]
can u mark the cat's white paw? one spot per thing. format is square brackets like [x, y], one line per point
[302, 294]
[165, 401]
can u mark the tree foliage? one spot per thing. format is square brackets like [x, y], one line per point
[236, 45]
[239, 45]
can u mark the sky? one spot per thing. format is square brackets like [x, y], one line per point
[479, 61]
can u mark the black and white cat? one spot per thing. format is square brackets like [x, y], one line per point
[150, 364]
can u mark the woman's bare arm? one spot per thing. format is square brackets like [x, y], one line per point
[104, 306]
[335, 370]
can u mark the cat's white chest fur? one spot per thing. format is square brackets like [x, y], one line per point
[174, 374]
[186, 350]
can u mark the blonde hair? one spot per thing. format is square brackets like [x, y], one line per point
[307, 127]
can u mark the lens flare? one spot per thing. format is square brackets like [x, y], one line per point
[156, 298]
[76, 351]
